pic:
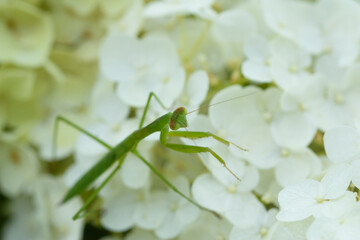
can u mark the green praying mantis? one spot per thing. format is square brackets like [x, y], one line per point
[172, 120]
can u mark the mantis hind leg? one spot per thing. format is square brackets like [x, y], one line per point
[79, 214]
[97, 190]
[77, 127]
[157, 173]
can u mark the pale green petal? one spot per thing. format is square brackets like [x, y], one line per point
[26, 34]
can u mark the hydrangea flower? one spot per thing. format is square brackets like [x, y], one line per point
[230, 29]
[26, 34]
[207, 226]
[342, 145]
[125, 208]
[312, 198]
[166, 8]
[257, 52]
[180, 212]
[260, 230]
[19, 167]
[42, 217]
[142, 66]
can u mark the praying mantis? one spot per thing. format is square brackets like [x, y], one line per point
[171, 120]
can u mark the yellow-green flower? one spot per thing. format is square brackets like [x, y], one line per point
[26, 34]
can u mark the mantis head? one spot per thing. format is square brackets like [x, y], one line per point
[178, 119]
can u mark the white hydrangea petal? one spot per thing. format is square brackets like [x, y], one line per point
[244, 210]
[159, 51]
[336, 208]
[349, 230]
[24, 227]
[291, 230]
[161, 9]
[234, 25]
[220, 115]
[115, 48]
[298, 21]
[119, 212]
[293, 130]
[297, 200]
[210, 193]
[206, 227]
[291, 170]
[187, 213]
[270, 217]
[170, 229]
[251, 233]
[47, 192]
[249, 180]
[286, 78]
[197, 87]
[110, 109]
[256, 49]
[322, 228]
[136, 92]
[172, 89]
[342, 144]
[265, 153]
[134, 172]
[336, 181]
[356, 173]
[327, 66]
[151, 213]
[289, 102]
[256, 71]
[289, 53]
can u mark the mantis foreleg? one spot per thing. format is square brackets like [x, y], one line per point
[195, 135]
[191, 148]
[151, 94]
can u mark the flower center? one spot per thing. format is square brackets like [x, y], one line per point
[220, 237]
[321, 200]
[140, 197]
[301, 107]
[231, 188]
[267, 198]
[339, 98]
[284, 152]
[165, 79]
[267, 62]
[263, 231]
[222, 133]
[267, 116]
[174, 207]
[15, 157]
[327, 49]
[116, 127]
[293, 69]
[185, 99]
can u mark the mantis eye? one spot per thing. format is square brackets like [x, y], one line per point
[178, 119]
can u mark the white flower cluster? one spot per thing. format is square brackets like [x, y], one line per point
[283, 77]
